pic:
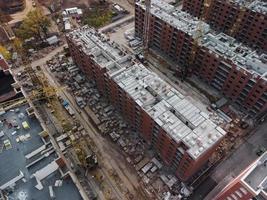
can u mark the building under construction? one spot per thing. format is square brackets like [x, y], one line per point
[234, 69]
[182, 134]
[244, 20]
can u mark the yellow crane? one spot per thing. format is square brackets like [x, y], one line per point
[34, 96]
[44, 91]
[239, 19]
[199, 35]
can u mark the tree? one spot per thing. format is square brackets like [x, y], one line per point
[35, 25]
[5, 52]
[17, 45]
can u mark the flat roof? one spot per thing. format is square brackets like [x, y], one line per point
[256, 177]
[106, 54]
[18, 167]
[176, 17]
[221, 44]
[171, 110]
[242, 56]
[179, 117]
[13, 160]
[259, 6]
[28, 191]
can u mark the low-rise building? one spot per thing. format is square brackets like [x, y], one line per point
[30, 168]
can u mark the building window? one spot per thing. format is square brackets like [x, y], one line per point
[243, 190]
[239, 194]
[234, 197]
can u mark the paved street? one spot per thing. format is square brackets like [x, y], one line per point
[243, 156]
[236, 162]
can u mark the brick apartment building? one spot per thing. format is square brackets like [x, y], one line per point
[250, 184]
[239, 72]
[182, 135]
[12, 6]
[244, 20]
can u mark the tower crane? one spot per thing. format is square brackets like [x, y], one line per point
[199, 35]
[239, 19]
[146, 27]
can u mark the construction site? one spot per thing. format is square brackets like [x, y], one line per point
[32, 165]
[231, 67]
[165, 100]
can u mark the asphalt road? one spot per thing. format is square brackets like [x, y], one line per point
[243, 156]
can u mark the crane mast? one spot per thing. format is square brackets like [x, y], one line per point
[146, 27]
[199, 35]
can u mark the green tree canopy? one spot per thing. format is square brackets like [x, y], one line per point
[36, 24]
[5, 52]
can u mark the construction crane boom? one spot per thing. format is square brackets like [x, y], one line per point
[198, 36]
[238, 21]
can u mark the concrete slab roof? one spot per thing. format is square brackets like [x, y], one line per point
[174, 112]
[259, 6]
[176, 17]
[221, 44]
[106, 54]
[24, 159]
[242, 56]
[256, 176]
[179, 117]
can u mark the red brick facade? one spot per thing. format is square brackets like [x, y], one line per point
[241, 86]
[244, 24]
[172, 153]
